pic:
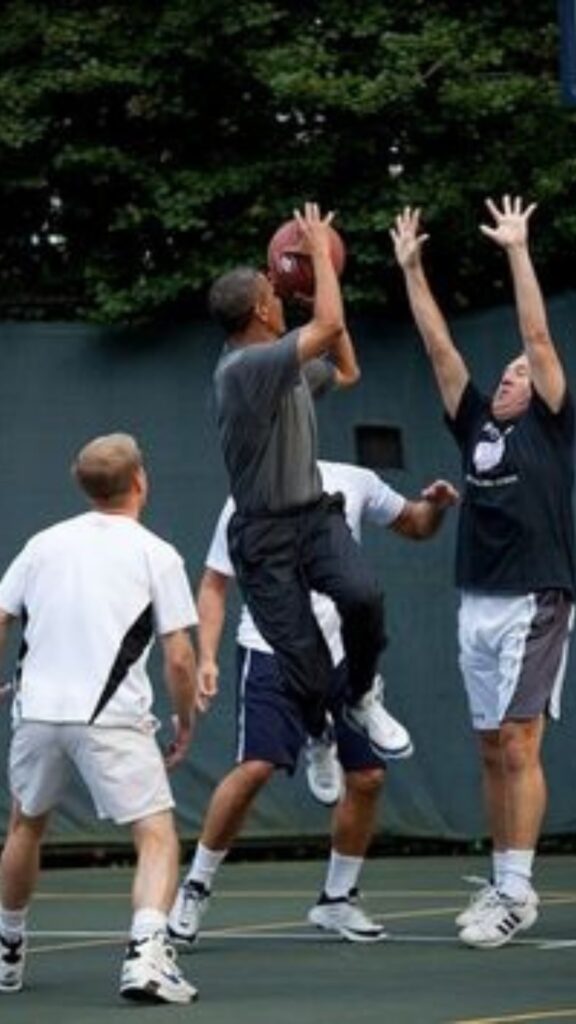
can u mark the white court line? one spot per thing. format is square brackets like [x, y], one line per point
[280, 931]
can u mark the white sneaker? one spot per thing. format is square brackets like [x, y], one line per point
[150, 973]
[12, 960]
[387, 737]
[190, 905]
[486, 896]
[344, 916]
[323, 770]
[501, 921]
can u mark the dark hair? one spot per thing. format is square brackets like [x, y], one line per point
[232, 297]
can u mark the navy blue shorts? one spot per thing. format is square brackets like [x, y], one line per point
[270, 723]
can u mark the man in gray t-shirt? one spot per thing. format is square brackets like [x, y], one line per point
[268, 378]
[287, 537]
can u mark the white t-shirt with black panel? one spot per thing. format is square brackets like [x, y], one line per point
[93, 591]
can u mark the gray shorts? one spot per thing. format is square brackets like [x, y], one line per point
[122, 768]
[513, 653]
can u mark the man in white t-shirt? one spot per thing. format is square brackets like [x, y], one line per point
[271, 726]
[92, 592]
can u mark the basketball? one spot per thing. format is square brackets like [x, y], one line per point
[291, 271]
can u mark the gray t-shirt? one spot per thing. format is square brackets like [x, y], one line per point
[267, 423]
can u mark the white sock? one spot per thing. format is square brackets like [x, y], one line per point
[342, 874]
[517, 873]
[146, 922]
[498, 867]
[13, 923]
[205, 864]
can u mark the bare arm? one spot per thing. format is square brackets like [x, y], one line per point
[211, 601]
[5, 622]
[447, 363]
[180, 677]
[421, 519]
[323, 334]
[510, 231]
[344, 359]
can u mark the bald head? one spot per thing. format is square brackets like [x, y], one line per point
[108, 469]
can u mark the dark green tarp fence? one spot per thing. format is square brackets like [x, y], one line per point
[64, 383]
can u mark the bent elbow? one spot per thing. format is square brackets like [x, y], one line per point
[347, 378]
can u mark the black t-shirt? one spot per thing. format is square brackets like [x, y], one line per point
[516, 529]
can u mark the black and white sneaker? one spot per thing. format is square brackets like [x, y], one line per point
[150, 973]
[346, 917]
[190, 905]
[12, 960]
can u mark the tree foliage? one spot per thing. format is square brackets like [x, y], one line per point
[147, 146]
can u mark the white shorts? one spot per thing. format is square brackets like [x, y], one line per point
[122, 768]
[513, 653]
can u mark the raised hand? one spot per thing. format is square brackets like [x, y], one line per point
[406, 236]
[314, 228]
[510, 228]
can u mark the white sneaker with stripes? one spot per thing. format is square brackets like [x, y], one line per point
[501, 921]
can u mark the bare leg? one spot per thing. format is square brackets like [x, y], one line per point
[495, 789]
[354, 818]
[20, 861]
[525, 783]
[156, 875]
[231, 802]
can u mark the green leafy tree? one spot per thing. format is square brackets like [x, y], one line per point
[147, 146]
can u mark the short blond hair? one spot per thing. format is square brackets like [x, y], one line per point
[105, 467]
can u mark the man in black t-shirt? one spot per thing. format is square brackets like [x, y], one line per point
[515, 562]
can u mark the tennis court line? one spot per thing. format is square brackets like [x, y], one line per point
[279, 930]
[519, 1018]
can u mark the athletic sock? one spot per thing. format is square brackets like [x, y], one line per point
[146, 922]
[517, 881]
[498, 867]
[342, 875]
[204, 866]
[13, 923]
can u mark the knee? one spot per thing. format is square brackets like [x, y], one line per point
[157, 830]
[255, 774]
[365, 783]
[519, 749]
[491, 751]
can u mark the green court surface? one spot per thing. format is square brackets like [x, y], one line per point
[259, 962]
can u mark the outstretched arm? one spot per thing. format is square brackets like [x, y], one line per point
[421, 519]
[447, 363]
[510, 231]
[325, 333]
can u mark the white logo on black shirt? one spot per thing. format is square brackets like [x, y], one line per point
[489, 451]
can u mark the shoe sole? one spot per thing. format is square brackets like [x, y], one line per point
[349, 936]
[151, 995]
[384, 753]
[189, 940]
[347, 933]
[397, 754]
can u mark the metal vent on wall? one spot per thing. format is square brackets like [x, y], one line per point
[379, 446]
